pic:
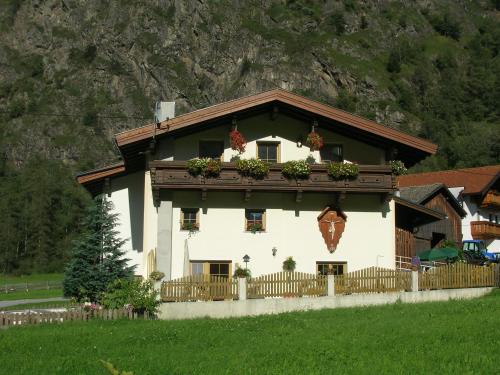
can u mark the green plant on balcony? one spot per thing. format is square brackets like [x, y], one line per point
[297, 169]
[204, 166]
[398, 167]
[191, 227]
[255, 227]
[342, 171]
[255, 168]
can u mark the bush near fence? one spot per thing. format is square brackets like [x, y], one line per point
[39, 317]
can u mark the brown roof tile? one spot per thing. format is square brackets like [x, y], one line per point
[474, 180]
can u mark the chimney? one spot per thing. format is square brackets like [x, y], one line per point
[164, 111]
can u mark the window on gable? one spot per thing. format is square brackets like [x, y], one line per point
[334, 268]
[331, 152]
[255, 220]
[211, 149]
[190, 219]
[268, 151]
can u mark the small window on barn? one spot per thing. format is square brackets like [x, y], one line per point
[211, 149]
[190, 219]
[331, 152]
[255, 220]
[268, 151]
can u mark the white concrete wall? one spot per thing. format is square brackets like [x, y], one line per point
[291, 227]
[150, 222]
[253, 307]
[127, 198]
[285, 130]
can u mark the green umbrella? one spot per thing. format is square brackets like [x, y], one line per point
[438, 253]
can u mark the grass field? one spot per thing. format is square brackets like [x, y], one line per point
[40, 278]
[446, 337]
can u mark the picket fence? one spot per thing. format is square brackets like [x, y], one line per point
[299, 284]
[458, 275]
[38, 317]
[287, 284]
[373, 280]
[199, 288]
[26, 287]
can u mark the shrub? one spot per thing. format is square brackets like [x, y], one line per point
[241, 272]
[255, 168]
[314, 141]
[156, 275]
[342, 171]
[297, 169]
[237, 141]
[206, 166]
[136, 294]
[289, 264]
[398, 167]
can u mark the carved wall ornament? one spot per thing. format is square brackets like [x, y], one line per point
[331, 224]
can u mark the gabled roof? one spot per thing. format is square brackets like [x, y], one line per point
[422, 194]
[473, 180]
[281, 96]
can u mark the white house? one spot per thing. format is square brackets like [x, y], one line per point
[478, 191]
[180, 223]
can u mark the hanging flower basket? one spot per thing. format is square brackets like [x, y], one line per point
[314, 141]
[237, 141]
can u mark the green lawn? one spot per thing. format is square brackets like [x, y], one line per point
[40, 278]
[446, 337]
[34, 278]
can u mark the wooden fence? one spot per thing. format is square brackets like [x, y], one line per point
[38, 317]
[199, 288]
[287, 284]
[458, 275]
[373, 280]
[25, 287]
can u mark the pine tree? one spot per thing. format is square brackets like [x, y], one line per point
[97, 258]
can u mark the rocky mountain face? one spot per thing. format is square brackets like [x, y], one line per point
[75, 72]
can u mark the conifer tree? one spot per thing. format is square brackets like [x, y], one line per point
[97, 258]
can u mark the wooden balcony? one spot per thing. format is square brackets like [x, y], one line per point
[173, 175]
[484, 230]
[491, 200]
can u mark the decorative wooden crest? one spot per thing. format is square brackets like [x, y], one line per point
[331, 225]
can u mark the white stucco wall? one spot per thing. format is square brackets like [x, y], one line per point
[291, 227]
[127, 198]
[285, 130]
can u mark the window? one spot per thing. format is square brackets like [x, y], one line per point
[336, 268]
[190, 219]
[220, 268]
[196, 268]
[211, 149]
[268, 151]
[255, 220]
[331, 152]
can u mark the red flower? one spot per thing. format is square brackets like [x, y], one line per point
[237, 141]
[314, 141]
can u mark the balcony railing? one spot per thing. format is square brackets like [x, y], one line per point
[491, 200]
[174, 175]
[483, 230]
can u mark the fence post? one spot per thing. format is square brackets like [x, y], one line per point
[414, 281]
[242, 288]
[330, 287]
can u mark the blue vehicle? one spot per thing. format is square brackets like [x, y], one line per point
[475, 251]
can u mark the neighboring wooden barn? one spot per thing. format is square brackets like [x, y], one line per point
[424, 229]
